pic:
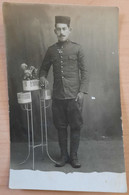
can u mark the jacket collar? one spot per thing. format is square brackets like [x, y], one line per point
[62, 44]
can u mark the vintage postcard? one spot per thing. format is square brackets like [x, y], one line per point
[64, 98]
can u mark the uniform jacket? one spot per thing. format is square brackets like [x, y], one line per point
[69, 69]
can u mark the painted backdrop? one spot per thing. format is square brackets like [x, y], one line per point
[30, 31]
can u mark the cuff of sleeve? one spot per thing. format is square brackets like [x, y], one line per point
[83, 90]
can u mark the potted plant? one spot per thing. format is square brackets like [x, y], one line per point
[30, 78]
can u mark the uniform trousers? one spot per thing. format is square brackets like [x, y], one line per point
[67, 112]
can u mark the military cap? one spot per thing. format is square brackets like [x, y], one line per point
[62, 19]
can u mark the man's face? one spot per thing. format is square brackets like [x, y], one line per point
[62, 31]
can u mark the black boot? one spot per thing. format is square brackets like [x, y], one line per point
[74, 161]
[74, 144]
[63, 160]
[62, 138]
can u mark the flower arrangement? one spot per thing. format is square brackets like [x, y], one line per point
[30, 73]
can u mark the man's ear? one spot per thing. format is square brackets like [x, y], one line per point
[70, 29]
[55, 31]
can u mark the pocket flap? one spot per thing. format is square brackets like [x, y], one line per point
[73, 57]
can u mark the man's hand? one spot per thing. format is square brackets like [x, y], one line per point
[80, 96]
[79, 99]
[43, 82]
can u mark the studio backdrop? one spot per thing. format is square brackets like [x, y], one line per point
[29, 33]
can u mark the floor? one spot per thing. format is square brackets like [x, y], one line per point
[94, 155]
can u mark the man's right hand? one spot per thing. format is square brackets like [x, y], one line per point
[43, 82]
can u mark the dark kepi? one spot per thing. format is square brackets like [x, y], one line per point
[62, 19]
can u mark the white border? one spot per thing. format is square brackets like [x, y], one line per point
[76, 181]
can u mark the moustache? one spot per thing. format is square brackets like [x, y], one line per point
[62, 36]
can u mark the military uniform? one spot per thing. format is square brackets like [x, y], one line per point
[70, 78]
[67, 59]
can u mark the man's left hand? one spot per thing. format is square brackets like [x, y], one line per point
[79, 99]
[80, 96]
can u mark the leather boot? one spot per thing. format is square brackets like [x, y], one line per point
[63, 160]
[62, 138]
[74, 145]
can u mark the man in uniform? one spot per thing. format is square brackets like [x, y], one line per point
[69, 87]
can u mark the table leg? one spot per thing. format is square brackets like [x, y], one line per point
[32, 130]
[41, 121]
[28, 127]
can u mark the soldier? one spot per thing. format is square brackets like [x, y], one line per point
[69, 87]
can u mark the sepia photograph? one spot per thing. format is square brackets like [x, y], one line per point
[64, 97]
